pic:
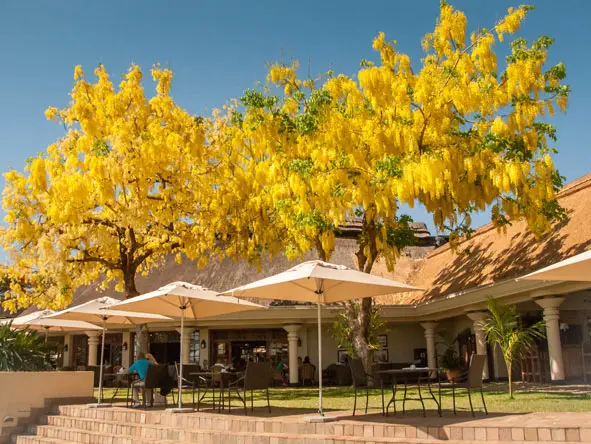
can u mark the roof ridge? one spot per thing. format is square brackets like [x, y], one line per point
[571, 187]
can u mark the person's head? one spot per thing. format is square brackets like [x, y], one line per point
[150, 357]
[141, 355]
[307, 360]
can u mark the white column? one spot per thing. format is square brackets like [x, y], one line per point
[292, 339]
[186, 343]
[93, 342]
[204, 352]
[430, 340]
[69, 353]
[303, 349]
[477, 317]
[551, 317]
[126, 357]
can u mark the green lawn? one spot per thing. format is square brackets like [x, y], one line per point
[528, 398]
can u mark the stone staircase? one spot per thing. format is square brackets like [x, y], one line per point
[80, 424]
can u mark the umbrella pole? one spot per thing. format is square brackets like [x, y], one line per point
[320, 356]
[46, 333]
[100, 393]
[181, 358]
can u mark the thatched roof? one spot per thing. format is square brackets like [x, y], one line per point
[227, 274]
[490, 256]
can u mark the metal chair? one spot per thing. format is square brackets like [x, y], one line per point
[189, 382]
[256, 377]
[469, 380]
[360, 381]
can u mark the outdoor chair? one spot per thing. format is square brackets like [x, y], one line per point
[189, 382]
[205, 386]
[360, 381]
[308, 371]
[469, 380]
[256, 377]
[156, 377]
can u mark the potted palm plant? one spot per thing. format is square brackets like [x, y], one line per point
[451, 363]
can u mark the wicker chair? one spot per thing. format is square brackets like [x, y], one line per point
[256, 377]
[308, 371]
[360, 381]
[468, 380]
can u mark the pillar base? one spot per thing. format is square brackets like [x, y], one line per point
[320, 418]
[558, 382]
[102, 405]
[180, 410]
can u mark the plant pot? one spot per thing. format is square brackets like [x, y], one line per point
[454, 373]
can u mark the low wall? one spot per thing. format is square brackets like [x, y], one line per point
[20, 392]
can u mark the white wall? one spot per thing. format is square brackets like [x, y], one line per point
[402, 340]
[22, 391]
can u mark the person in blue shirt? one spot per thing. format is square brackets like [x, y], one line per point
[141, 368]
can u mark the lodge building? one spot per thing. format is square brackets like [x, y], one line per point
[421, 325]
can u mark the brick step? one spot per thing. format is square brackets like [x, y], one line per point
[153, 433]
[33, 439]
[219, 437]
[147, 431]
[346, 427]
[157, 424]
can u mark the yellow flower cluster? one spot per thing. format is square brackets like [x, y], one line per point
[136, 179]
[392, 137]
[129, 183]
[511, 22]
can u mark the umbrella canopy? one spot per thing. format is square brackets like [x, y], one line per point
[99, 311]
[185, 300]
[320, 282]
[314, 280]
[576, 268]
[22, 320]
[45, 324]
[198, 302]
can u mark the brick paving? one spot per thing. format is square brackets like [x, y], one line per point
[116, 425]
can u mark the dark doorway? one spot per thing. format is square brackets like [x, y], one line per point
[244, 351]
[165, 346]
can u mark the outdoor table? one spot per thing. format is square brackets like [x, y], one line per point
[119, 380]
[225, 378]
[410, 376]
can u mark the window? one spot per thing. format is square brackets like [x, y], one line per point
[194, 348]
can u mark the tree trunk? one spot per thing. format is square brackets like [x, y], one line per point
[509, 368]
[142, 340]
[358, 316]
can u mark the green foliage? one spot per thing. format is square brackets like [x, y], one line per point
[503, 328]
[344, 335]
[450, 359]
[21, 350]
[401, 234]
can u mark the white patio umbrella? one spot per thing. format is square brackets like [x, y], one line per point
[39, 322]
[185, 300]
[23, 319]
[575, 268]
[322, 283]
[98, 312]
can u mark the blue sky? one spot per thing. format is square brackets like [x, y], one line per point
[219, 48]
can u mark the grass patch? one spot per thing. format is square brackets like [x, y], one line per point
[527, 399]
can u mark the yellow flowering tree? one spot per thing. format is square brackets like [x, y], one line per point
[457, 132]
[124, 187]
